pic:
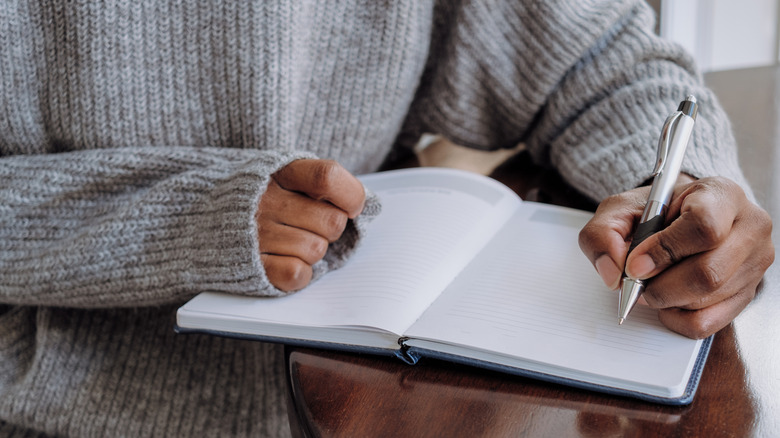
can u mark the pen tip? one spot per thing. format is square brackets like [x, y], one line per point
[620, 321]
[690, 98]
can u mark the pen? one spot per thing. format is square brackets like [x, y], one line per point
[674, 139]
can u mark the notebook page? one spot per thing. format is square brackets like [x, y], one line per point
[537, 296]
[432, 223]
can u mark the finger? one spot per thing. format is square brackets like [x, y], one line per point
[705, 220]
[278, 239]
[286, 273]
[604, 238]
[712, 276]
[700, 323]
[296, 210]
[696, 282]
[324, 180]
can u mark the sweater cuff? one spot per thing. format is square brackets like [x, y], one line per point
[228, 260]
[226, 255]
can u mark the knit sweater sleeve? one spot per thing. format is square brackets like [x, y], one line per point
[585, 84]
[137, 226]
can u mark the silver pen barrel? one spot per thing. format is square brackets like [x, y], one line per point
[675, 135]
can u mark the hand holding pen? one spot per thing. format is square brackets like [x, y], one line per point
[703, 265]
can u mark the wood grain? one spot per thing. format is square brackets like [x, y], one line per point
[350, 395]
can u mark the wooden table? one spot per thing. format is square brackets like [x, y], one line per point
[350, 395]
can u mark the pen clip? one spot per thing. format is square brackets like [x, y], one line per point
[665, 141]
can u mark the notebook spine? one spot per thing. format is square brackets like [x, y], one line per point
[405, 353]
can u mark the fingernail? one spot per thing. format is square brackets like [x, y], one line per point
[640, 267]
[608, 271]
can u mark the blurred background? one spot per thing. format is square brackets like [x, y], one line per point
[723, 34]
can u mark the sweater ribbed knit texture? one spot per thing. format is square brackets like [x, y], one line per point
[136, 138]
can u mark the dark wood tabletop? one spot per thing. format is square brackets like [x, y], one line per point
[351, 395]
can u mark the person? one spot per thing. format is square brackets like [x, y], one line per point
[151, 150]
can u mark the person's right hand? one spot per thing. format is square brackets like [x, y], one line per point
[305, 207]
[706, 265]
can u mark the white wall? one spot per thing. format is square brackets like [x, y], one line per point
[724, 34]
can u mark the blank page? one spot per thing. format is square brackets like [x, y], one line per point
[433, 222]
[533, 294]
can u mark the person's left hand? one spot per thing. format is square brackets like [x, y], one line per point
[706, 265]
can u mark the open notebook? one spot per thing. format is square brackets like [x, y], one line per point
[457, 267]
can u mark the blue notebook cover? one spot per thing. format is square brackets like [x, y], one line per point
[412, 356]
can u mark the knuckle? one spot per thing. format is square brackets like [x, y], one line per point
[335, 222]
[707, 277]
[298, 274]
[696, 324]
[703, 323]
[768, 258]
[727, 185]
[699, 327]
[718, 185]
[763, 222]
[324, 174]
[706, 231]
[751, 292]
[764, 254]
[762, 260]
[318, 248]
[293, 275]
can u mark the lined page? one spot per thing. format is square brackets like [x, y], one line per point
[533, 294]
[433, 222]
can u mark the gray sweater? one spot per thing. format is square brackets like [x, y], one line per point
[136, 137]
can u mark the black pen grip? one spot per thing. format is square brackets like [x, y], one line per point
[645, 230]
